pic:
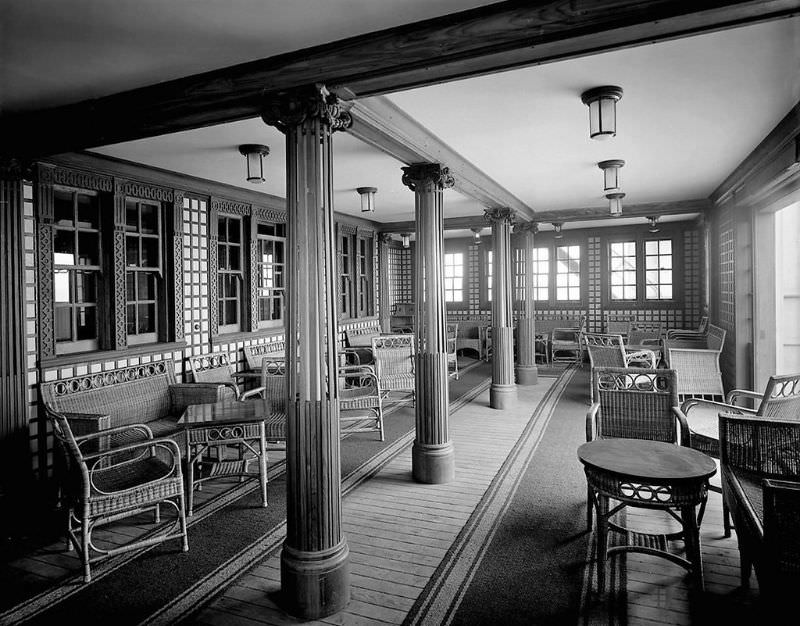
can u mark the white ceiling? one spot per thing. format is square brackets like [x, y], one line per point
[692, 108]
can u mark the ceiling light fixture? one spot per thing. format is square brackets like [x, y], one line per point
[255, 153]
[653, 226]
[367, 198]
[602, 103]
[557, 228]
[615, 203]
[611, 176]
[476, 234]
[405, 238]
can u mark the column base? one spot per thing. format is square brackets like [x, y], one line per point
[433, 464]
[502, 396]
[315, 584]
[527, 374]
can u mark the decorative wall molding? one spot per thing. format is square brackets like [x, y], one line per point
[230, 207]
[273, 216]
[83, 180]
[148, 192]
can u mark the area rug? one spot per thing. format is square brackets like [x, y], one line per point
[226, 536]
[522, 554]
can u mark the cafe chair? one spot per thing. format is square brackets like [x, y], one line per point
[394, 366]
[452, 356]
[608, 350]
[360, 400]
[216, 367]
[101, 487]
[635, 403]
[566, 345]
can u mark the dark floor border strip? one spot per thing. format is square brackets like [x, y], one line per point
[465, 552]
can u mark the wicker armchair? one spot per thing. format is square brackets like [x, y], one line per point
[634, 403]
[697, 364]
[645, 333]
[760, 463]
[452, 356]
[256, 353]
[394, 366]
[606, 350]
[683, 333]
[780, 399]
[618, 323]
[217, 368]
[360, 400]
[565, 343]
[109, 485]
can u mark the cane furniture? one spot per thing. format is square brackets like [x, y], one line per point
[566, 345]
[607, 350]
[216, 367]
[102, 487]
[780, 399]
[360, 400]
[760, 467]
[254, 354]
[402, 317]
[617, 323]
[684, 333]
[472, 334]
[394, 366]
[645, 333]
[653, 475]
[452, 350]
[635, 403]
[242, 424]
[697, 364]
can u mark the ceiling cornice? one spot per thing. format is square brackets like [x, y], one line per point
[492, 38]
[382, 124]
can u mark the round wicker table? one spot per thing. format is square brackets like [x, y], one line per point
[653, 475]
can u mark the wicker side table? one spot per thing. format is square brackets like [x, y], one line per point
[229, 422]
[653, 475]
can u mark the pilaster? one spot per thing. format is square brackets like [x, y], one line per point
[314, 559]
[503, 391]
[384, 304]
[433, 457]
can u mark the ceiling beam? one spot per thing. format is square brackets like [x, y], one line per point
[382, 124]
[567, 215]
[496, 37]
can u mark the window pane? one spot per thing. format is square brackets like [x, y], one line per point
[617, 293]
[87, 323]
[651, 262]
[131, 216]
[234, 258]
[63, 316]
[130, 286]
[88, 211]
[132, 251]
[63, 208]
[574, 293]
[235, 231]
[222, 229]
[131, 312]
[616, 249]
[147, 318]
[222, 256]
[651, 277]
[231, 312]
[149, 219]
[88, 248]
[64, 247]
[85, 287]
[665, 246]
[147, 286]
[61, 286]
[666, 292]
[652, 292]
[630, 293]
[149, 252]
[651, 247]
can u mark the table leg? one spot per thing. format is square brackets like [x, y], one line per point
[262, 462]
[602, 541]
[691, 536]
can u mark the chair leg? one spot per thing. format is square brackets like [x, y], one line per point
[589, 505]
[726, 518]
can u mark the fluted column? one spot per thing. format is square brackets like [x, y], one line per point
[527, 371]
[383, 282]
[314, 559]
[503, 391]
[433, 459]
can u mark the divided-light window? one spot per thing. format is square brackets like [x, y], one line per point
[541, 274]
[622, 257]
[230, 278]
[568, 273]
[489, 275]
[658, 269]
[143, 270]
[77, 268]
[454, 277]
[271, 273]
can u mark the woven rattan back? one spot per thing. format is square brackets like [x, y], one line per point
[782, 398]
[618, 324]
[273, 379]
[211, 368]
[255, 354]
[642, 332]
[394, 355]
[715, 338]
[636, 403]
[128, 395]
[605, 350]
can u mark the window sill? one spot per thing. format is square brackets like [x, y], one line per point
[77, 358]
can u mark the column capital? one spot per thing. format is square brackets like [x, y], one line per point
[384, 237]
[527, 227]
[287, 109]
[12, 168]
[499, 215]
[427, 174]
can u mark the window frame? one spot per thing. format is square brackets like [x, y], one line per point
[256, 276]
[238, 274]
[636, 271]
[355, 289]
[547, 241]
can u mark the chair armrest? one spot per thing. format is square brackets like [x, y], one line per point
[683, 426]
[736, 394]
[85, 423]
[770, 447]
[344, 370]
[143, 428]
[99, 464]
[591, 418]
[184, 394]
[690, 403]
[258, 391]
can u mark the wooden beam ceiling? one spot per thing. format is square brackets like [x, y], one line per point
[487, 39]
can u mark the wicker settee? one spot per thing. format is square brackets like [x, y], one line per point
[142, 394]
[760, 466]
